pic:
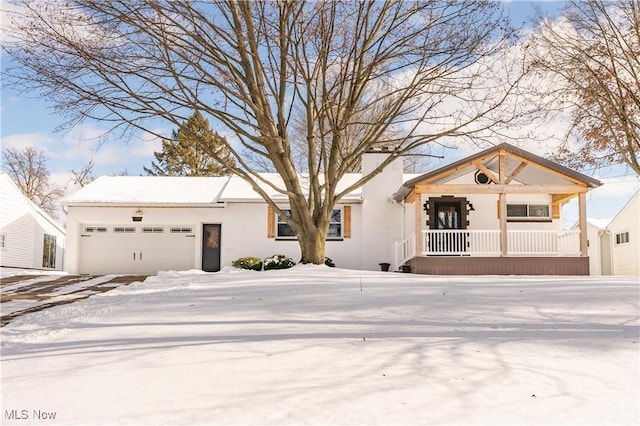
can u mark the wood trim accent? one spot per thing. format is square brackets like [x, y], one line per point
[582, 220]
[271, 222]
[501, 167]
[516, 172]
[555, 211]
[540, 166]
[502, 213]
[486, 171]
[346, 219]
[411, 197]
[561, 198]
[499, 188]
[417, 208]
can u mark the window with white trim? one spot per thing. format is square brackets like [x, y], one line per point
[49, 251]
[622, 238]
[3, 241]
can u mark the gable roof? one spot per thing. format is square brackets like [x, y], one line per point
[7, 182]
[629, 204]
[533, 169]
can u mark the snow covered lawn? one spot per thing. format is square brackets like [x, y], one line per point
[316, 345]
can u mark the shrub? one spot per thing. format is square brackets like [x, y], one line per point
[329, 262]
[278, 261]
[248, 262]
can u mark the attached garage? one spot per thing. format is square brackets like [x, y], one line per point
[136, 249]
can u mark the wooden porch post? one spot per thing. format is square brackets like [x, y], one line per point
[502, 201]
[502, 205]
[582, 219]
[418, 223]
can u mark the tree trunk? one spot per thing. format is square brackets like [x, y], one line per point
[312, 248]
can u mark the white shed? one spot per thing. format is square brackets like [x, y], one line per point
[29, 237]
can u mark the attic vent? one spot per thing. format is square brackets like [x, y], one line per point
[481, 178]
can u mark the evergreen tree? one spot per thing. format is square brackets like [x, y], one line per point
[193, 150]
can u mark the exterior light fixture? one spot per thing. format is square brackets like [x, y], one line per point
[137, 216]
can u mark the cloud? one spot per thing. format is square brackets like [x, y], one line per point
[84, 143]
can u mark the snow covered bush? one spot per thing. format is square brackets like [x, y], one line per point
[329, 262]
[278, 261]
[248, 262]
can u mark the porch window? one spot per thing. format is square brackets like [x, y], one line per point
[622, 238]
[528, 212]
[284, 231]
[49, 251]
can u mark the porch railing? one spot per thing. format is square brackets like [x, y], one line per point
[456, 242]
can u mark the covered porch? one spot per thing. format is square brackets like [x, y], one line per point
[514, 228]
[478, 252]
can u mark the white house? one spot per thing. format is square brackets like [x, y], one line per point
[29, 237]
[503, 203]
[614, 246]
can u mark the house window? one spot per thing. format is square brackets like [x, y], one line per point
[283, 228]
[622, 238]
[335, 224]
[49, 251]
[284, 231]
[3, 240]
[526, 212]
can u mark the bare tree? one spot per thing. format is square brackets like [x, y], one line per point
[385, 73]
[84, 176]
[593, 55]
[28, 169]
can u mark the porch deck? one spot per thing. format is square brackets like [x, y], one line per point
[478, 252]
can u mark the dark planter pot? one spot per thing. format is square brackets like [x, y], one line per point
[406, 269]
[384, 266]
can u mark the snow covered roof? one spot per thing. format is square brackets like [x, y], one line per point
[8, 185]
[598, 222]
[146, 190]
[179, 190]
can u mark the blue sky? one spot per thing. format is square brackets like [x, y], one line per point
[28, 120]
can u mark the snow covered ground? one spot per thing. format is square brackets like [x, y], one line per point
[316, 345]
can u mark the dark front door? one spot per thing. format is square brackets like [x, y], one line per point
[448, 213]
[211, 248]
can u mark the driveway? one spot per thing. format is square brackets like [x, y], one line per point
[23, 294]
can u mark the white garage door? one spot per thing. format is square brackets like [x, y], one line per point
[127, 249]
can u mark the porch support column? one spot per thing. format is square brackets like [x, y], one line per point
[502, 203]
[418, 223]
[582, 219]
[502, 206]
